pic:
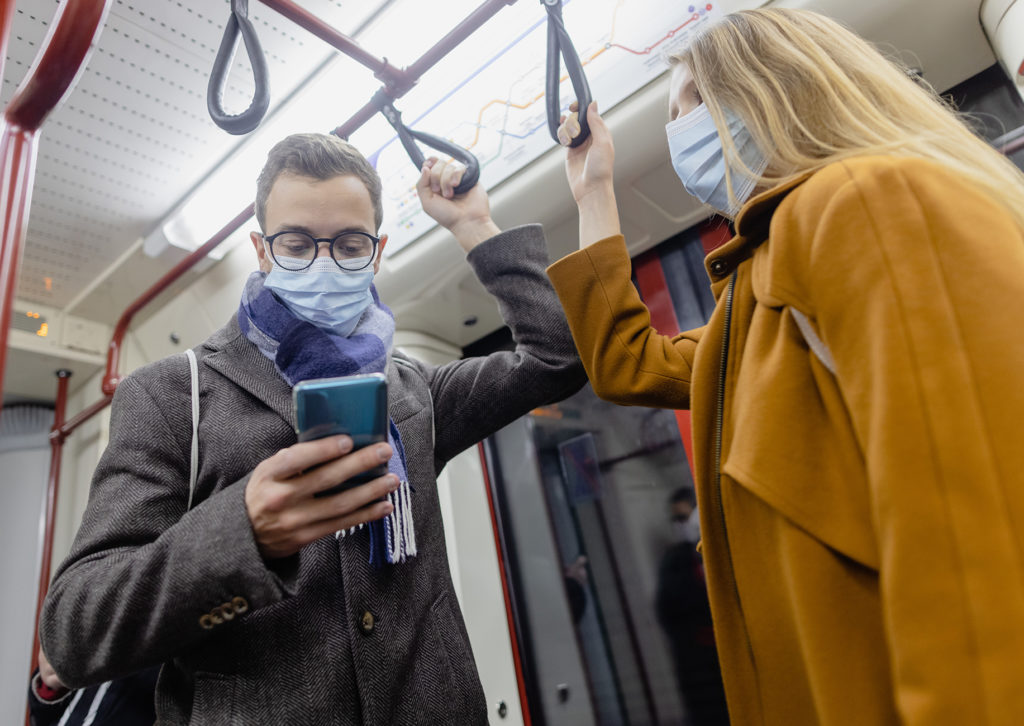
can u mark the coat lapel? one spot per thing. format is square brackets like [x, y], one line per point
[237, 359]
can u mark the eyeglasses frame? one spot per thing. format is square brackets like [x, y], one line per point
[269, 240]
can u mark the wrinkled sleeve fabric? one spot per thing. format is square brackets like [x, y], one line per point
[143, 570]
[915, 281]
[628, 362]
[474, 397]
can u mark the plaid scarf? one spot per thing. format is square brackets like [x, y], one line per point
[302, 351]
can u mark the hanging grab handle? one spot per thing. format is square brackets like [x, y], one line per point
[409, 137]
[250, 118]
[560, 44]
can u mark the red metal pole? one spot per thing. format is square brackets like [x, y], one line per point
[111, 376]
[18, 154]
[513, 631]
[11, 235]
[457, 34]
[80, 418]
[402, 81]
[71, 35]
[56, 448]
[6, 15]
[333, 37]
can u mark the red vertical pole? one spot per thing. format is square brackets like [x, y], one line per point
[50, 510]
[18, 153]
[9, 248]
[513, 632]
[6, 15]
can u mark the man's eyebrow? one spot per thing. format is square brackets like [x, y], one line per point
[307, 230]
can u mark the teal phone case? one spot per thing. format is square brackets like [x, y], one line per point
[352, 405]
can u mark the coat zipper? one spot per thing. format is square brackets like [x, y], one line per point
[721, 411]
[717, 482]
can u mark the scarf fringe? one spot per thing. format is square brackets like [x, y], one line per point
[393, 538]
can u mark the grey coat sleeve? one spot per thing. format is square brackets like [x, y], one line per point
[474, 397]
[143, 570]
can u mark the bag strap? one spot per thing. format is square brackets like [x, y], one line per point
[193, 467]
[816, 344]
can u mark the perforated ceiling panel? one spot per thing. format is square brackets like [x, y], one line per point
[133, 138]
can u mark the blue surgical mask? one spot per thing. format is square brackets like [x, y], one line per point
[324, 294]
[699, 160]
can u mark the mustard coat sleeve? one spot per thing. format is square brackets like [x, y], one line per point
[627, 360]
[915, 281]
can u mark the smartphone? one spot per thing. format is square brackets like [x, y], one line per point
[352, 405]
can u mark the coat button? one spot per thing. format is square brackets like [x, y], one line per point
[240, 604]
[367, 622]
[719, 266]
[206, 622]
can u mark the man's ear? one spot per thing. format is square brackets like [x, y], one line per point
[380, 253]
[261, 251]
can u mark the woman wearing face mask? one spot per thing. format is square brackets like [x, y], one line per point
[858, 391]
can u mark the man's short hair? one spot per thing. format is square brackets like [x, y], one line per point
[317, 156]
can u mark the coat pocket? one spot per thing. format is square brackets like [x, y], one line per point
[451, 692]
[213, 700]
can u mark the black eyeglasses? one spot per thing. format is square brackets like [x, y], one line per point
[351, 251]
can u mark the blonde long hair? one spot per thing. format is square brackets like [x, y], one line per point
[811, 93]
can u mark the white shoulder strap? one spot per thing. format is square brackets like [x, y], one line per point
[816, 344]
[193, 468]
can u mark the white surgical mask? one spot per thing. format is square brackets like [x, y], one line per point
[324, 294]
[699, 160]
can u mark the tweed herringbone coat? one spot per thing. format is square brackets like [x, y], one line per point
[320, 637]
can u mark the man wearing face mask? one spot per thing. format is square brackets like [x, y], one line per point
[266, 603]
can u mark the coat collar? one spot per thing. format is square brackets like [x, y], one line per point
[752, 225]
[236, 358]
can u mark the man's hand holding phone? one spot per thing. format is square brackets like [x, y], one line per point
[285, 514]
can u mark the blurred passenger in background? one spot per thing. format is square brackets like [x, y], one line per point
[858, 392]
[685, 615]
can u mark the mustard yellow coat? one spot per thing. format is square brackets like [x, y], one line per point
[863, 531]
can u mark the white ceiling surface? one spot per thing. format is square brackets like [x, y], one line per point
[133, 139]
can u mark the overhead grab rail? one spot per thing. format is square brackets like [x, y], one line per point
[397, 82]
[409, 137]
[560, 46]
[239, 24]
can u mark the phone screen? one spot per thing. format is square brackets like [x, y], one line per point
[352, 405]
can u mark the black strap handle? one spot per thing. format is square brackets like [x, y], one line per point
[250, 118]
[409, 137]
[560, 44]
